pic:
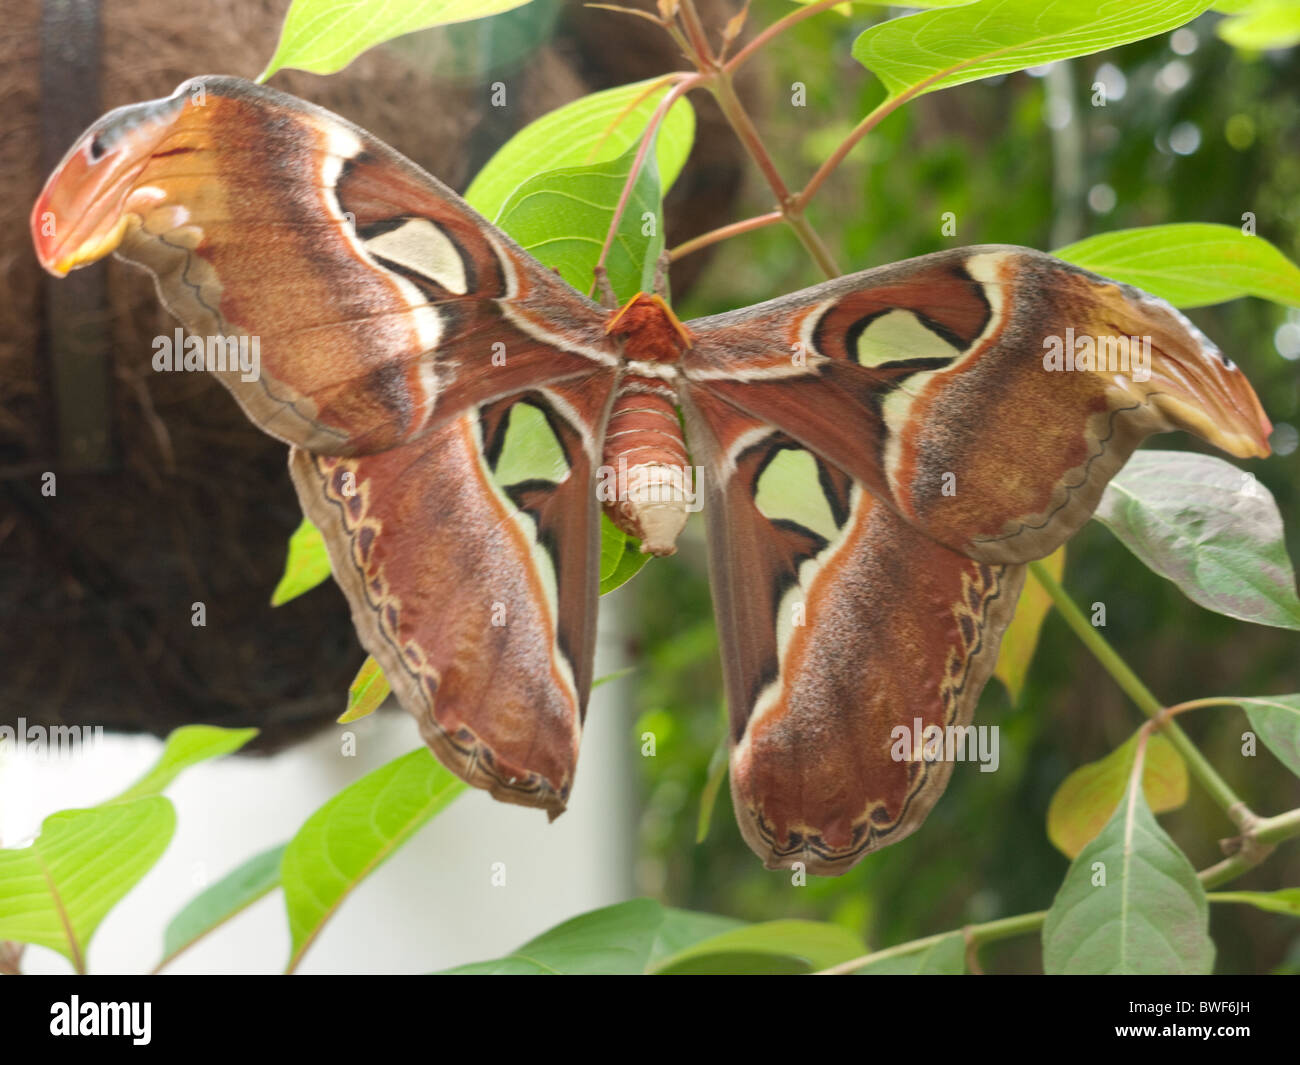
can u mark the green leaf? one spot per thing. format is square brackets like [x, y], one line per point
[366, 693]
[1088, 797]
[1276, 720]
[1190, 264]
[614, 940]
[186, 746]
[56, 891]
[308, 564]
[561, 218]
[1130, 903]
[1263, 25]
[1208, 527]
[1021, 638]
[1286, 900]
[846, 7]
[230, 895]
[621, 557]
[593, 129]
[945, 957]
[627, 938]
[938, 49]
[610, 678]
[353, 834]
[681, 929]
[771, 947]
[717, 773]
[324, 36]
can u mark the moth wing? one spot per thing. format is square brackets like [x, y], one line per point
[935, 383]
[848, 637]
[470, 559]
[379, 304]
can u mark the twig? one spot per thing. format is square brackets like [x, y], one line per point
[975, 935]
[683, 86]
[724, 232]
[789, 205]
[1218, 788]
[1268, 830]
[778, 27]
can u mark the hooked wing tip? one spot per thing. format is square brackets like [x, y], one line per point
[479, 766]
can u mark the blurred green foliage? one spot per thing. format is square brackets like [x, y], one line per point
[1199, 132]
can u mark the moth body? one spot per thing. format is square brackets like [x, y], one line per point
[644, 445]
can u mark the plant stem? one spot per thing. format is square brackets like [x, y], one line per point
[704, 57]
[723, 232]
[1279, 828]
[1267, 830]
[1218, 788]
[976, 935]
[686, 83]
[736, 114]
[778, 27]
[744, 127]
[847, 145]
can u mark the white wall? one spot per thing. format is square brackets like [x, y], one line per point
[429, 907]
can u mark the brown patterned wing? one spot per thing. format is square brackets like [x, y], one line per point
[470, 560]
[380, 305]
[987, 394]
[849, 641]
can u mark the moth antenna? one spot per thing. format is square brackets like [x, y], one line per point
[608, 299]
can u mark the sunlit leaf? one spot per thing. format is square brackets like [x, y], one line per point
[592, 129]
[641, 936]
[1262, 24]
[308, 564]
[1190, 264]
[621, 557]
[324, 36]
[561, 218]
[938, 49]
[354, 833]
[186, 746]
[56, 891]
[614, 940]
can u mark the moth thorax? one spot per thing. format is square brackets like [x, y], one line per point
[654, 500]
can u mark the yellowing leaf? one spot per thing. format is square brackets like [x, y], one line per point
[1088, 797]
[368, 690]
[1021, 638]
